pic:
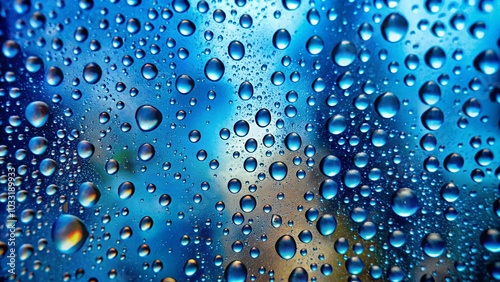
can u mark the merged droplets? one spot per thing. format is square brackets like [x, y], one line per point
[214, 69]
[394, 27]
[387, 105]
[286, 247]
[69, 233]
[148, 118]
[344, 53]
[37, 113]
[92, 73]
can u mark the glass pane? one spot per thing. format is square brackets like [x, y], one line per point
[246, 140]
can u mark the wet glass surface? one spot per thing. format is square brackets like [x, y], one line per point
[244, 140]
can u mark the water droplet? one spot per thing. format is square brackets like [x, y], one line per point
[235, 271]
[241, 128]
[149, 71]
[315, 45]
[472, 107]
[330, 165]
[214, 69]
[126, 190]
[236, 50]
[85, 149]
[326, 224]
[184, 84]
[146, 223]
[344, 53]
[48, 167]
[191, 267]
[490, 239]
[38, 145]
[248, 203]
[37, 113]
[394, 27]
[387, 105]
[54, 76]
[278, 170]
[291, 4]
[450, 192]
[404, 202]
[433, 245]
[88, 194]
[299, 274]
[354, 265]
[430, 93]
[148, 118]
[69, 233]
[293, 141]
[263, 117]
[453, 162]
[286, 247]
[328, 189]
[435, 57]
[281, 39]
[186, 28]
[336, 124]
[245, 91]
[146, 152]
[433, 118]
[487, 62]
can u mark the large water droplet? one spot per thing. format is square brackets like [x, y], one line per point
[37, 113]
[69, 233]
[85, 149]
[92, 73]
[326, 224]
[38, 145]
[236, 50]
[235, 271]
[286, 247]
[214, 69]
[387, 105]
[126, 190]
[149, 71]
[344, 53]
[315, 45]
[490, 239]
[299, 274]
[487, 62]
[184, 84]
[430, 93]
[433, 118]
[293, 141]
[394, 27]
[278, 170]
[433, 245]
[291, 4]
[336, 124]
[405, 202]
[330, 165]
[54, 76]
[435, 57]
[88, 194]
[148, 118]
[281, 39]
